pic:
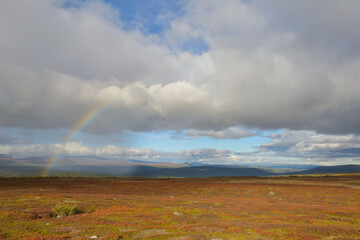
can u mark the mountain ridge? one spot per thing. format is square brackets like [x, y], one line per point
[10, 166]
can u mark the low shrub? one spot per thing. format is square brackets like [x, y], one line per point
[65, 209]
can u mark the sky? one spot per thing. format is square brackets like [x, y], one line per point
[210, 81]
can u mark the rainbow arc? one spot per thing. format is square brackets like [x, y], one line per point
[89, 116]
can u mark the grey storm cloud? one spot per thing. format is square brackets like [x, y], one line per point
[269, 65]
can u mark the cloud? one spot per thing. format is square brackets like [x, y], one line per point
[229, 133]
[6, 139]
[286, 147]
[294, 66]
[28, 149]
[313, 146]
[325, 26]
[77, 149]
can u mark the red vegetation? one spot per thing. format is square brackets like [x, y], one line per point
[215, 208]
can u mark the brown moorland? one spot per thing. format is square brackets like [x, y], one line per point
[307, 207]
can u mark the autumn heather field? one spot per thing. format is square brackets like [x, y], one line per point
[321, 207]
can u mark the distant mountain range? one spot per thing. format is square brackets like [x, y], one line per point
[351, 168]
[10, 166]
[149, 171]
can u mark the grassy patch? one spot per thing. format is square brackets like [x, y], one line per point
[65, 209]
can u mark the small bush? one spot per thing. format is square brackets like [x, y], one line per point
[64, 209]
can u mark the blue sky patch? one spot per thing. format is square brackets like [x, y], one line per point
[195, 46]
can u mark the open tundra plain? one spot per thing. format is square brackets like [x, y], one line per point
[308, 207]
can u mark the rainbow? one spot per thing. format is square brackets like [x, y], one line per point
[87, 118]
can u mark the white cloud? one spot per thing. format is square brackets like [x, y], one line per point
[77, 149]
[311, 145]
[112, 152]
[287, 147]
[229, 133]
